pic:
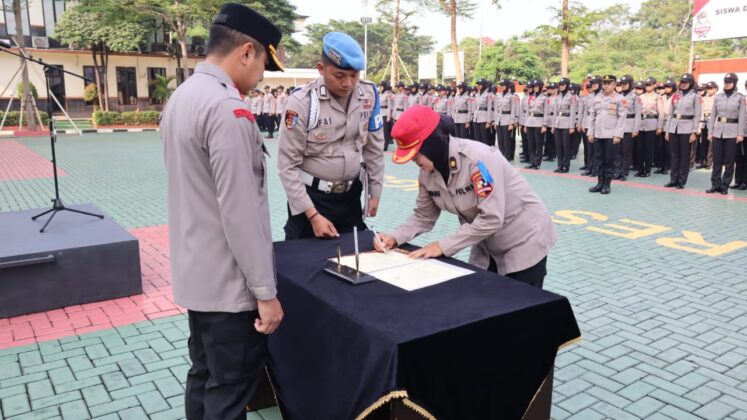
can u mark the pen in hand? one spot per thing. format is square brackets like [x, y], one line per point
[376, 235]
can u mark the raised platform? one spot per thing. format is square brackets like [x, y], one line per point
[78, 259]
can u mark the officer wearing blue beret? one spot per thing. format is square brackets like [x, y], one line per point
[331, 146]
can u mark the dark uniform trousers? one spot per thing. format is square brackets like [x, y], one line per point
[724, 157]
[740, 174]
[704, 153]
[461, 131]
[343, 210]
[624, 155]
[604, 156]
[575, 143]
[524, 144]
[588, 151]
[269, 122]
[388, 124]
[533, 276]
[512, 143]
[563, 147]
[228, 356]
[662, 155]
[679, 145]
[536, 144]
[645, 150]
[504, 142]
[550, 151]
[481, 134]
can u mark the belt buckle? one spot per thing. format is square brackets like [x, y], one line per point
[678, 116]
[722, 119]
[339, 187]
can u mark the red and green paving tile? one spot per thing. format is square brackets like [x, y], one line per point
[657, 278]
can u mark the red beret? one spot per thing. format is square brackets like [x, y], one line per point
[411, 130]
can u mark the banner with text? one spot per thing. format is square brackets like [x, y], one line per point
[719, 19]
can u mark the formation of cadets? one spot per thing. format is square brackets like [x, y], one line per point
[645, 126]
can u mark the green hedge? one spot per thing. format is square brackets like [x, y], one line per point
[14, 116]
[125, 118]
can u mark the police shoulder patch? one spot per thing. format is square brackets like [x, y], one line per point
[291, 119]
[243, 113]
[482, 187]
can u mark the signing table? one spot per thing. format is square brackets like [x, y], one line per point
[480, 346]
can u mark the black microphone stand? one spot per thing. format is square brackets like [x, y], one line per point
[57, 205]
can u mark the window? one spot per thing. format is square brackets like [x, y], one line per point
[126, 86]
[180, 74]
[152, 72]
[90, 74]
[57, 87]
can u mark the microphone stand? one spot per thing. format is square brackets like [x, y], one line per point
[57, 205]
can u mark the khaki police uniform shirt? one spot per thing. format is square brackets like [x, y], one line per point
[652, 109]
[387, 103]
[524, 109]
[281, 100]
[504, 219]
[441, 105]
[727, 108]
[460, 108]
[318, 136]
[269, 104]
[482, 108]
[538, 114]
[412, 100]
[222, 258]
[588, 103]
[506, 109]
[566, 107]
[607, 116]
[633, 112]
[399, 105]
[688, 105]
[706, 110]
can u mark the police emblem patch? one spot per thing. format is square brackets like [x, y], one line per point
[245, 113]
[367, 104]
[452, 163]
[334, 57]
[321, 136]
[482, 186]
[291, 119]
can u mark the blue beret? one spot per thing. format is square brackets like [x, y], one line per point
[343, 51]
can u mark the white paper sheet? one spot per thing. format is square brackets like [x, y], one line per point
[398, 270]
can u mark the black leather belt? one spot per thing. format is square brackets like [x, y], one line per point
[482, 109]
[505, 112]
[651, 117]
[564, 114]
[400, 109]
[683, 117]
[384, 107]
[462, 112]
[630, 116]
[532, 114]
[727, 120]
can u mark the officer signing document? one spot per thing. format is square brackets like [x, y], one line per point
[331, 146]
[502, 218]
[219, 221]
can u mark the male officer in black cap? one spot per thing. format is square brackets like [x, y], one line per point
[219, 219]
[682, 127]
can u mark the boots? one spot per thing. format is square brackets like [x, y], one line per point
[606, 187]
[597, 188]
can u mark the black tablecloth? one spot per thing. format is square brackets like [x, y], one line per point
[477, 347]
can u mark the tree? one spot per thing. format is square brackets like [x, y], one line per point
[101, 30]
[398, 13]
[379, 45]
[161, 89]
[575, 28]
[25, 71]
[511, 60]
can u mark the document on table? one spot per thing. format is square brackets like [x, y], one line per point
[397, 269]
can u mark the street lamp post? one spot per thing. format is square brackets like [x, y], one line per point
[365, 21]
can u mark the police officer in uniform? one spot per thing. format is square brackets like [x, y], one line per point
[552, 96]
[441, 102]
[606, 126]
[482, 113]
[596, 90]
[461, 112]
[506, 109]
[652, 106]
[705, 148]
[219, 219]
[504, 221]
[564, 124]
[682, 125]
[414, 97]
[574, 89]
[663, 149]
[331, 146]
[524, 111]
[740, 171]
[537, 121]
[624, 151]
[400, 101]
[726, 126]
[387, 102]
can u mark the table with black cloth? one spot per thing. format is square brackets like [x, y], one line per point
[476, 347]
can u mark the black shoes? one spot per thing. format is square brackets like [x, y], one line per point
[680, 186]
[597, 188]
[670, 184]
[583, 168]
[742, 187]
[713, 190]
[660, 171]
[605, 189]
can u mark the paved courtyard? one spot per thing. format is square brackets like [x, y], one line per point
[657, 278]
